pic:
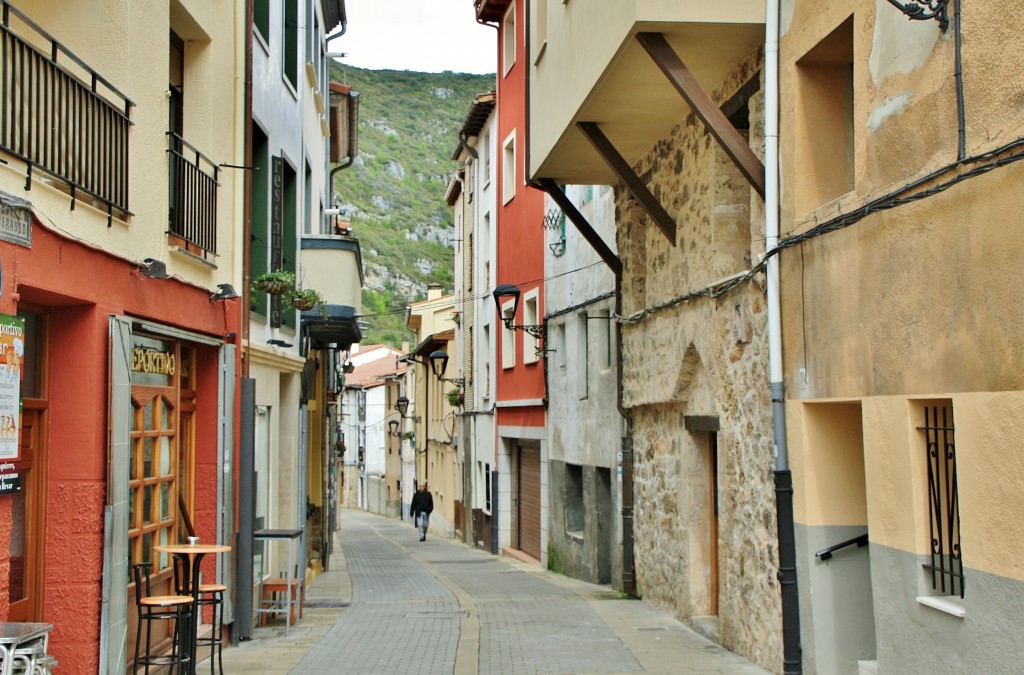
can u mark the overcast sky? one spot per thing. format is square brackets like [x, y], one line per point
[422, 35]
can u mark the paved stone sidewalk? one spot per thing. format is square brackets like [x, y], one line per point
[442, 607]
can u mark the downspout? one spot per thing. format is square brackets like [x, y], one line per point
[792, 661]
[247, 188]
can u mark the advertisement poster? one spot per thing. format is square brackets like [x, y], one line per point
[12, 352]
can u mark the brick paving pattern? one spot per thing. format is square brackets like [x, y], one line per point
[394, 605]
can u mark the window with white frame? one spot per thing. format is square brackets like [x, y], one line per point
[487, 362]
[508, 338]
[531, 317]
[485, 158]
[508, 39]
[508, 168]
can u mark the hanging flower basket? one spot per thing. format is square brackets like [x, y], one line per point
[305, 299]
[274, 283]
[456, 397]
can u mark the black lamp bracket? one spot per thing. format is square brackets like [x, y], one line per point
[922, 10]
[536, 330]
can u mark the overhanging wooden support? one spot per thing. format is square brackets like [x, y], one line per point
[713, 118]
[582, 225]
[625, 173]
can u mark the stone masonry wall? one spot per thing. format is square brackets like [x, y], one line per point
[681, 358]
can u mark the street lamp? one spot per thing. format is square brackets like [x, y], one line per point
[439, 364]
[393, 427]
[504, 291]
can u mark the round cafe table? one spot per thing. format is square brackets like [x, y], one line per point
[192, 556]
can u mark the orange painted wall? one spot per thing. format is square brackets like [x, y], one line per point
[520, 231]
[80, 287]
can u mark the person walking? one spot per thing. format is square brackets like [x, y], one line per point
[421, 508]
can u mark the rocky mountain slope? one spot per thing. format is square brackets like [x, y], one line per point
[394, 192]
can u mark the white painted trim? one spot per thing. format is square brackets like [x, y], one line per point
[520, 403]
[943, 603]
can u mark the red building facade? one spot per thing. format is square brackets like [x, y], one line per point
[521, 411]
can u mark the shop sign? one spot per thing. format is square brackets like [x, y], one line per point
[12, 353]
[152, 361]
[15, 220]
[10, 480]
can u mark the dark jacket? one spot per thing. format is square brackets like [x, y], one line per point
[422, 502]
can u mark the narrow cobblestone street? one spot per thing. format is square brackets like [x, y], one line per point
[395, 605]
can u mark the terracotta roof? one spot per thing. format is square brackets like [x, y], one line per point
[479, 110]
[374, 373]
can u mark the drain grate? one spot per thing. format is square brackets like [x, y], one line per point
[437, 615]
[326, 603]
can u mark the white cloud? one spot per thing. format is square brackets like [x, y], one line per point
[420, 35]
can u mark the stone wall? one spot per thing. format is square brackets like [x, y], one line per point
[702, 356]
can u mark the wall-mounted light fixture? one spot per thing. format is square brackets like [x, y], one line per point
[923, 10]
[402, 406]
[439, 363]
[393, 428]
[511, 291]
[279, 343]
[224, 292]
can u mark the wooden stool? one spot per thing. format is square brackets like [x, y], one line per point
[268, 598]
[159, 608]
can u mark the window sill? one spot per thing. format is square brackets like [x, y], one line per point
[952, 606]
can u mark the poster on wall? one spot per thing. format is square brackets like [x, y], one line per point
[12, 352]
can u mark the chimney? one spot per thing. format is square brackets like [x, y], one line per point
[434, 291]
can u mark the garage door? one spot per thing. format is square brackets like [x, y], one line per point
[529, 501]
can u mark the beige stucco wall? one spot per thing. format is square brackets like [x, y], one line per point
[682, 360]
[126, 43]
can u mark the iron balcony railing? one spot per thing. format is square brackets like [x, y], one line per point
[192, 179]
[59, 116]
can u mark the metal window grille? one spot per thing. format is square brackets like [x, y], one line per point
[946, 566]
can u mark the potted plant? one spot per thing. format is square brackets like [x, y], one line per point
[456, 397]
[277, 282]
[304, 299]
[457, 318]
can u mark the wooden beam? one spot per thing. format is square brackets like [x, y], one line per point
[582, 225]
[713, 118]
[625, 173]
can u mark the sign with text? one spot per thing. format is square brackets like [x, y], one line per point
[12, 353]
[10, 480]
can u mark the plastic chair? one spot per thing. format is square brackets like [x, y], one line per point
[177, 608]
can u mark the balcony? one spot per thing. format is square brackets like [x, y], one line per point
[333, 265]
[587, 65]
[192, 182]
[60, 117]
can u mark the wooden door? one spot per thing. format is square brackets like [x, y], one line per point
[29, 518]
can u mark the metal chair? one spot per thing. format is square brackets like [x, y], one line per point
[211, 595]
[177, 608]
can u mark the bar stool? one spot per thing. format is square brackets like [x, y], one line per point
[211, 595]
[159, 608]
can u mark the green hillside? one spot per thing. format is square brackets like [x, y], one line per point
[394, 192]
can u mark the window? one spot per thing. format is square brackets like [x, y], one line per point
[290, 43]
[574, 520]
[160, 449]
[508, 338]
[260, 210]
[487, 362]
[530, 318]
[508, 39]
[946, 567]
[486, 483]
[539, 22]
[560, 356]
[508, 168]
[261, 18]
[582, 356]
[604, 339]
[485, 158]
[824, 106]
